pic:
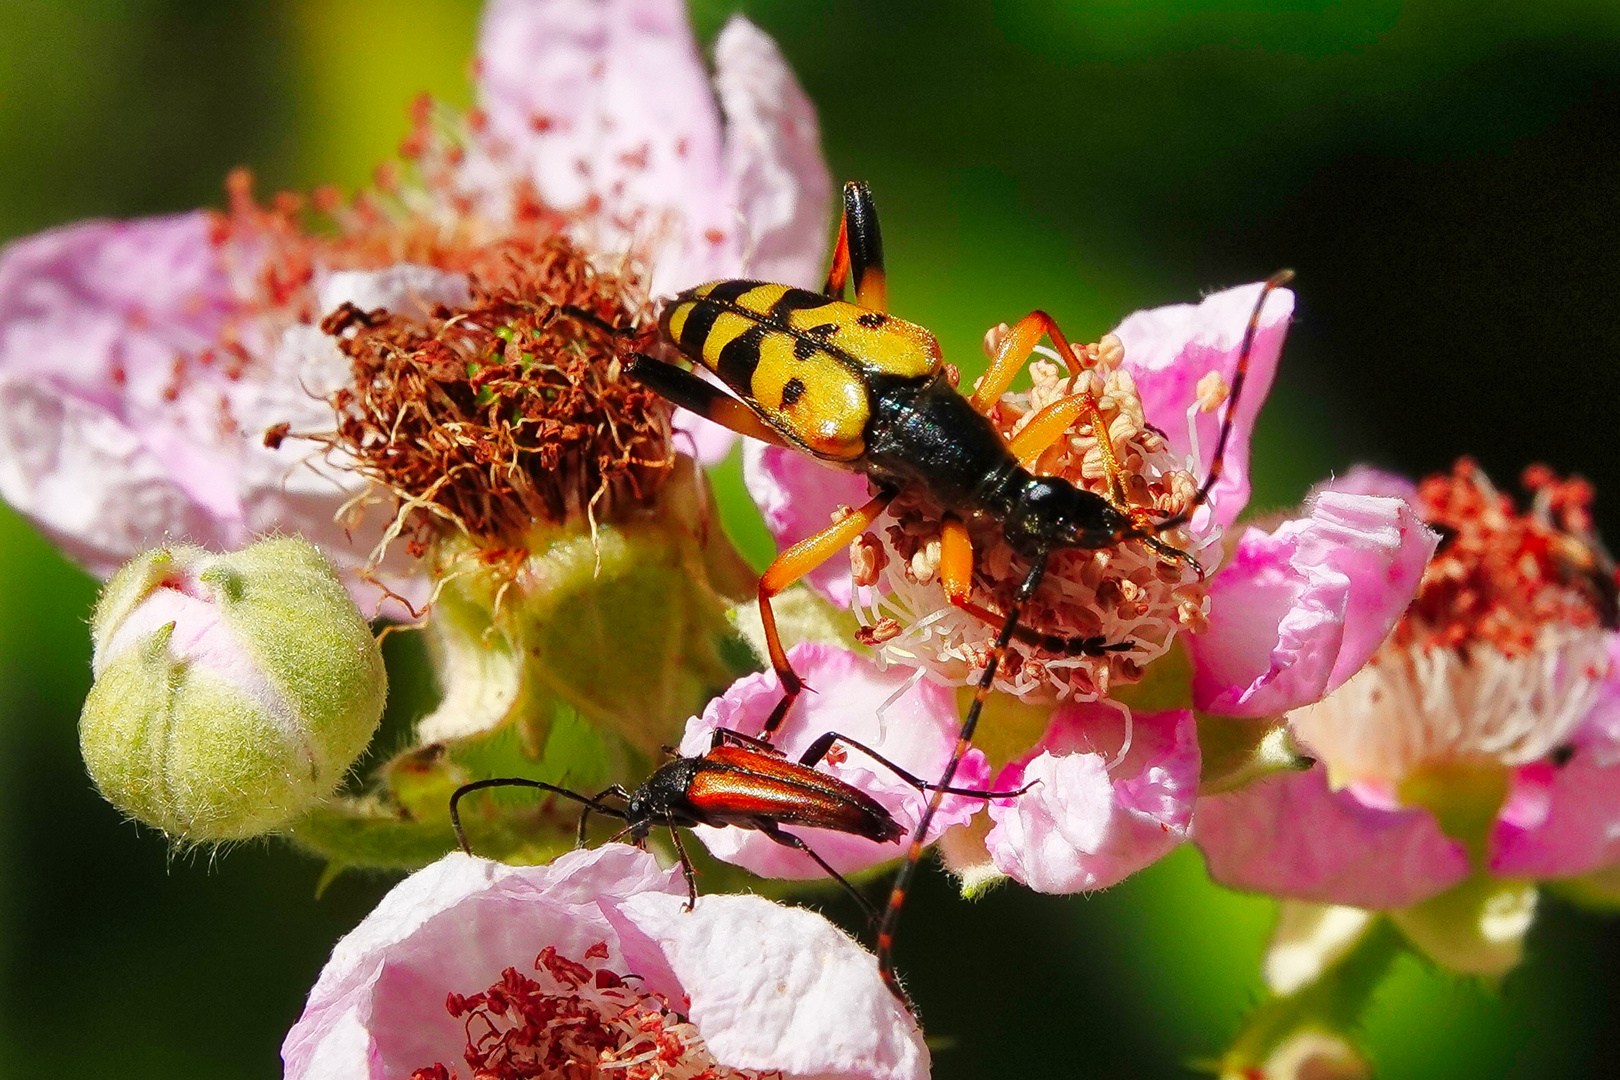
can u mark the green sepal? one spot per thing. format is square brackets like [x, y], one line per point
[1476, 927]
[1327, 1010]
[1237, 752]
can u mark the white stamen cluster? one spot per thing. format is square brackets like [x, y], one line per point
[1412, 706]
[1124, 593]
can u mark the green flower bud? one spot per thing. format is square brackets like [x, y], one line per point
[232, 692]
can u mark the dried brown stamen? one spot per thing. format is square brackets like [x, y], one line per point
[510, 410]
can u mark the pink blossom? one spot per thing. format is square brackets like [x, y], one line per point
[1293, 613]
[913, 726]
[1097, 814]
[140, 366]
[1501, 663]
[1296, 611]
[738, 984]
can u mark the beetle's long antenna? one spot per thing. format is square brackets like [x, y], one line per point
[519, 781]
[908, 869]
[1239, 376]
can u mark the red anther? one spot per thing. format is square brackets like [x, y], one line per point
[599, 951]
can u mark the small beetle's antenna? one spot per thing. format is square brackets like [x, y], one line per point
[518, 781]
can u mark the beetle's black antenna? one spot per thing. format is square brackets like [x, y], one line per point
[1239, 377]
[518, 781]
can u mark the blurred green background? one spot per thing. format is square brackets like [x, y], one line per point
[1442, 174]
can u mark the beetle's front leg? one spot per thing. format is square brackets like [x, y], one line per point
[790, 566]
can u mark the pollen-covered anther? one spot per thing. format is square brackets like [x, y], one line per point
[867, 558]
[1503, 652]
[511, 409]
[1124, 594]
[576, 1021]
[1212, 391]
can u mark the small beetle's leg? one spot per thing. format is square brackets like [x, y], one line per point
[595, 804]
[790, 566]
[787, 839]
[818, 750]
[686, 868]
[724, 735]
[683, 388]
[1010, 358]
[859, 251]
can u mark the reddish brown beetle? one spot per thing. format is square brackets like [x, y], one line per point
[747, 784]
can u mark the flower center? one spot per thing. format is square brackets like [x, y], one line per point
[1501, 655]
[576, 1021]
[1120, 594]
[511, 409]
[482, 416]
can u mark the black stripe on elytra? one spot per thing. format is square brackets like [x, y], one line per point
[740, 357]
[804, 348]
[727, 292]
[797, 300]
[699, 322]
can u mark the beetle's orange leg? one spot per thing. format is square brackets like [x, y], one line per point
[790, 566]
[1014, 353]
[956, 575]
[683, 388]
[1047, 426]
[859, 251]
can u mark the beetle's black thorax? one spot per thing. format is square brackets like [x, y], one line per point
[925, 434]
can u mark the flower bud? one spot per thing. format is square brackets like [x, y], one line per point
[232, 692]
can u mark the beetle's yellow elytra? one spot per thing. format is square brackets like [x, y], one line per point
[801, 360]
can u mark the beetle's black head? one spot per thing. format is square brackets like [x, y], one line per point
[1052, 513]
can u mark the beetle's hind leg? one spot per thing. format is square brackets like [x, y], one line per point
[787, 839]
[790, 566]
[818, 750]
[859, 251]
[681, 387]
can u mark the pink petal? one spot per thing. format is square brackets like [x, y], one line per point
[1290, 836]
[702, 439]
[120, 427]
[1169, 349]
[779, 182]
[1087, 826]
[606, 106]
[1299, 610]
[797, 495]
[92, 319]
[1366, 480]
[377, 1010]
[917, 732]
[775, 988]
[1559, 821]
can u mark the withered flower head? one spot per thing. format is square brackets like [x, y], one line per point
[511, 409]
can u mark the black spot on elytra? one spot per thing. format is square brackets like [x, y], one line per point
[804, 348]
[792, 392]
[825, 330]
[872, 319]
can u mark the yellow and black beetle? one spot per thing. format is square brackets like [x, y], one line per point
[863, 390]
